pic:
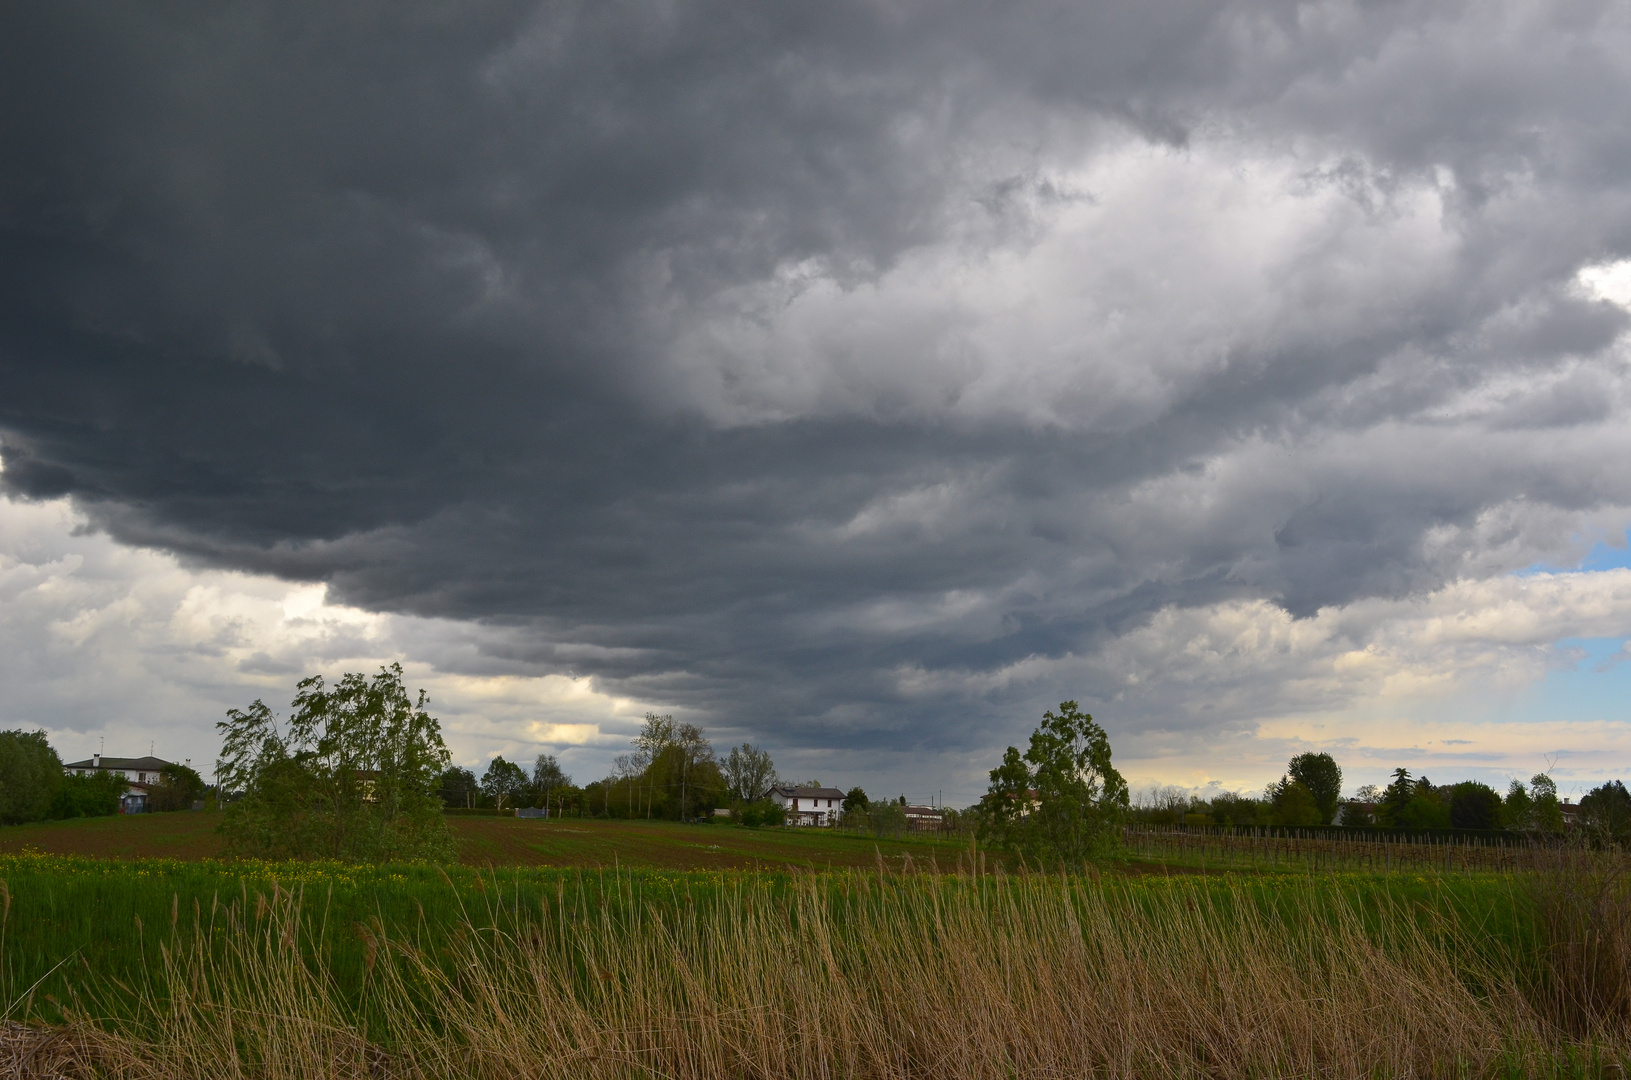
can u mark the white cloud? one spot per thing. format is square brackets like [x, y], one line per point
[102, 642]
[1609, 281]
[1090, 297]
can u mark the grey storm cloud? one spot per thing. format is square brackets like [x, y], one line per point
[668, 343]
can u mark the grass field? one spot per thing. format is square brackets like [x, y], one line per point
[636, 949]
[514, 842]
[215, 970]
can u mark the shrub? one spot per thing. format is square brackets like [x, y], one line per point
[762, 812]
[96, 795]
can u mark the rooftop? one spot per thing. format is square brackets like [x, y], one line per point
[788, 791]
[140, 764]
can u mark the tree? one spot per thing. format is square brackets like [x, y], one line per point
[503, 782]
[1396, 797]
[684, 780]
[458, 788]
[627, 768]
[1322, 776]
[1080, 797]
[178, 788]
[547, 775]
[30, 775]
[1474, 806]
[748, 772]
[691, 744]
[1548, 810]
[1293, 804]
[654, 738]
[1361, 809]
[855, 802]
[1517, 809]
[1606, 812]
[1426, 808]
[352, 775]
[1164, 804]
[1232, 808]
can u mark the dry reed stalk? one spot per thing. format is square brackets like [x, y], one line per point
[861, 977]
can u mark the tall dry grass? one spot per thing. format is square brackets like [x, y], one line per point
[855, 976]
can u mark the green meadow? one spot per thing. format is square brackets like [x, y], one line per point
[825, 956]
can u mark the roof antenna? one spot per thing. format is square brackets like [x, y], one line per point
[149, 747]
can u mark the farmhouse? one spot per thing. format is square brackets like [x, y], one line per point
[141, 773]
[808, 805]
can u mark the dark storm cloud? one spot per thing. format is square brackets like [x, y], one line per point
[445, 305]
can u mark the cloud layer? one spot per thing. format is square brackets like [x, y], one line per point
[816, 371]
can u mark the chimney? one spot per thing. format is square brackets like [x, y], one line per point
[96, 760]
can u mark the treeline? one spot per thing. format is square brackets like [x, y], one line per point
[1310, 793]
[671, 773]
[34, 788]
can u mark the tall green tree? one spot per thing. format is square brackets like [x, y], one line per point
[698, 771]
[1605, 813]
[1322, 776]
[1474, 806]
[1517, 809]
[458, 787]
[748, 772]
[655, 736]
[1395, 798]
[1548, 808]
[1427, 807]
[547, 775]
[30, 774]
[1080, 798]
[855, 802]
[353, 775]
[504, 782]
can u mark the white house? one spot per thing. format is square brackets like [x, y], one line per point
[808, 805]
[140, 773]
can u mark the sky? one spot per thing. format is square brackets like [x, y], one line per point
[856, 379]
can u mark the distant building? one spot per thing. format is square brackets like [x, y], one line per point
[140, 774]
[808, 805]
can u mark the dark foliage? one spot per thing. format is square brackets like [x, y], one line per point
[30, 774]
